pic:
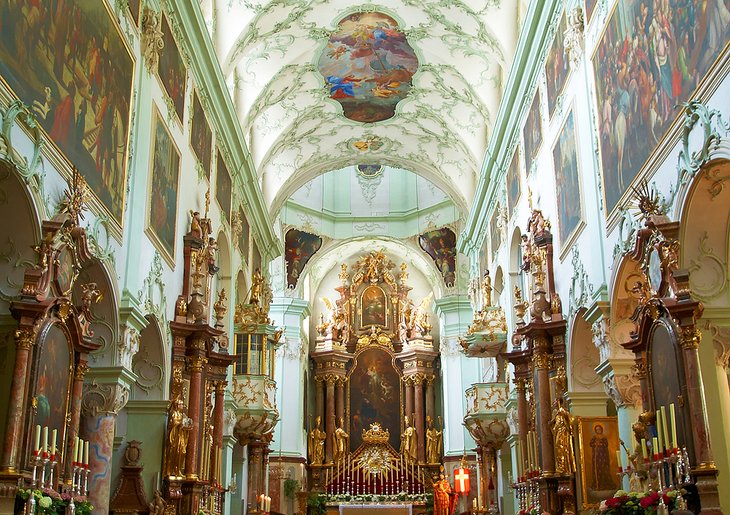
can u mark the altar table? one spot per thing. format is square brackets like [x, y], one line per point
[376, 509]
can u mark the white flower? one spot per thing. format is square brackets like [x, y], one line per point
[603, 506]
[44, 502]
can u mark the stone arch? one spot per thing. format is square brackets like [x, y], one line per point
[150, 363]
[583, 357]
[498, 285]
[623, 304]
[241, 287]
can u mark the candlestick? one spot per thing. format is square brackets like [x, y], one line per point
[618, 460]
[655, 448]
[658, 449]
[75, 453]
[86, 453]
[667, 444]
[673, 422]
[644, 453]
[37, 440]
[54, 434]
[45, 438]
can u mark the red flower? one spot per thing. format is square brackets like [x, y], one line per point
[616, 502]
[649, 500]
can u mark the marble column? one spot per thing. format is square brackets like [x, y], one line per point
[340, 407]
[430, 399]
[330, 417]
[255, 472]
[195, 399]
[522, 416]
[319, 397]
[100, 405]
[541, 363]
[24, 340]
[408, 385]
[218, 411]
[74, 427]
[419, 422]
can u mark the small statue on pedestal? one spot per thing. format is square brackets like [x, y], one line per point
[409, 442]
[341, 439]
[316, 443]
[562, 433]
[434, 440]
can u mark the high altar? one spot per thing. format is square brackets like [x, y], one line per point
[374, 371]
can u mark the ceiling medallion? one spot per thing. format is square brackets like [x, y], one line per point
[368, 65]
[369, 171]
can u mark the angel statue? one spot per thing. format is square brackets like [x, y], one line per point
[420, 325]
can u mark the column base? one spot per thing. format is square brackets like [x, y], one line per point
[707, 488]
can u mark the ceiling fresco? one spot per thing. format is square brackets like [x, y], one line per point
[369, 66]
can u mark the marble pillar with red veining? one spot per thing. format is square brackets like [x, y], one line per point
[542, 388]
[16, 409]
[319, 398]
[330, 418]
[419, 422]
[99, 432]
[408, 384]
[522, 418]
[430, 399]
[340, 408]
[194, 412]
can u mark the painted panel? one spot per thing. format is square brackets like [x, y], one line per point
[163, 190]
[599, 441]
[134, 7]
[374, 395]
[532, 133]
[368, 65]
[172, 71]
[70, 63]
[201, 137]
[223, 187]
[495, 233]
[590, 7]
[245, 230]
[514, 184]
[299, 246]
[567, 181]
[373, 304]
[650, 58]
[53, 381]
[557, 67]
[440, 244]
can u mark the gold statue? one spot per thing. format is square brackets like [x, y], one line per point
[409, 442]
[486, 290]
[341, 438]
[316, 443]
[562, 434]
[434, 441]
[178, 430]
[444, 500]
[257, 287]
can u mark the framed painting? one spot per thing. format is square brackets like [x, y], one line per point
[299, 247]
[223, 187]
[373, 306]
[495, 232]
[650, 58]
[171, 70]
[567, 182]
[201, 137]
[134, 7]
[532, 132]
[163, 190]
[598, 440]
[590, 7]
[243, 245]
[78, 84]
[440, 244]
[374, 395]
[53, 381]
[557, 67]
[368, 66]
[514, 183]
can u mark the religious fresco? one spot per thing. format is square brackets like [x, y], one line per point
[495, 232]
[53, 381]
[557, 67]
[650, 59]
[599, 440]
[440, 244]
[172, 71]
[590, 7]
[299, 247]
[163, 191]
[374, 395]
[368, 65]
[71, 65]
[567, 181]
[373, 305]
[201, 137]
[369, 171]
[134, 7]
[245, 230]
[514, 186]
[223, 187]
[532, 133]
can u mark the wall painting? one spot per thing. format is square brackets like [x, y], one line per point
[134, 8]
[201, 137]
[590, 7]
[171, 70]
[440, 244]
[557, 67]
[373, 306]
[299, 247]
[163, 190]
[514, 186]
[368, 65]
[495, 231]
[374, 391]
[72, 66]
[650, 58]
[243, 245]
[532, 133]
[598, 442]
[567, 182]
[223, 187]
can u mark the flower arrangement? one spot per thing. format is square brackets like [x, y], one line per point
[50, 502]
[638, 503]
[380, 498]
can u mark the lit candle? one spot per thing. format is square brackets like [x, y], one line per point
[644, 454]
[76, 450]
[37, 445]
[618, 460]
[86, 453]
[54, 434]
[673, 421]
[474, 503]
[665, 430]
[655, 448]
[658, 424]
[45, 438]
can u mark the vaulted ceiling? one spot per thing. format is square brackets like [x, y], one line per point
[271, 53]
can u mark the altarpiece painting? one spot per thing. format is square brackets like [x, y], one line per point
[557, 67]
[532, 133]
[598, 442]
[172, 71]
[299, 247]
[223, 187]
[201, 137]
[567, 182]
[514, 186]
[440, 244]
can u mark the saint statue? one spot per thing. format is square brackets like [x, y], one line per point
[562, 434]
[434, 440]
[157, 506]
[257, 287]
[409, 442]
[178, 430]
[316, 443]
[486, 290]
[443, 498]
[341, 438]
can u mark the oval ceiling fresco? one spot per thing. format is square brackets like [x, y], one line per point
[368, 65]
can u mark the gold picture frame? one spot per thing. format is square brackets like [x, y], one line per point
[598, 441]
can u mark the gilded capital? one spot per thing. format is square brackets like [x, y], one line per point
[220, 387]
[196, 363]
[24, 339]
[691, 337]
[81, 369]
[541, 361]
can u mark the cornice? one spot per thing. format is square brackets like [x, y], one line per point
[524, 75]
[209, 77]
